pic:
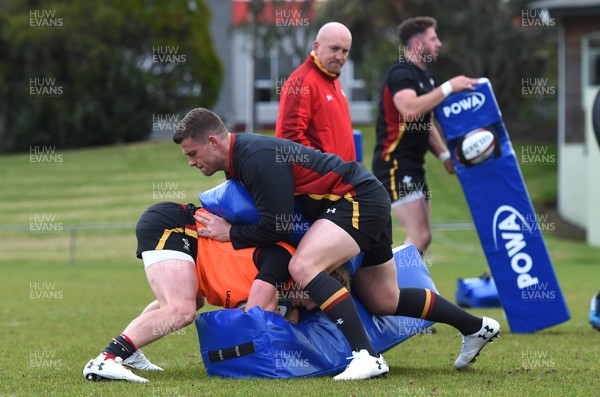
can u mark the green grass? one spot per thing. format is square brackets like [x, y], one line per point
[56, 315]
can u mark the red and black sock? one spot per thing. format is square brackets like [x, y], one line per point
[337, 304]
[426, 304]
[121, 346]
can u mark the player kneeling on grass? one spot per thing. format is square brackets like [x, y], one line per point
[183, 270]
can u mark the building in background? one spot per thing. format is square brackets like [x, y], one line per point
[578, 24]
[259, 50]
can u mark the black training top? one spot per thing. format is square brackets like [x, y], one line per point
[275, 170]
[400, 138]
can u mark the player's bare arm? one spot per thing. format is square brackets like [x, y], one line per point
[410, 105]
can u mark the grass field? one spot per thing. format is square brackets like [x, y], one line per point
[60, 306]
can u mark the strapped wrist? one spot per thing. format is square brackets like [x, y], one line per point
[445, 155]
[446, 88]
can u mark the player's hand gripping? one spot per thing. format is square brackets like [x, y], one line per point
[215, 227]
[460, 83]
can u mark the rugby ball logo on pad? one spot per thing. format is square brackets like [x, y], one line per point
[477, 146]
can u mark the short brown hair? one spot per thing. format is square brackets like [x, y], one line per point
[414, 26]
[198, 124]
[342, 275]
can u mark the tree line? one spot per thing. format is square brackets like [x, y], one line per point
[98, 72]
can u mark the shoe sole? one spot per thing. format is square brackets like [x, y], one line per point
[96, 378]
[142, 369]
[380, 376]
[99, 378]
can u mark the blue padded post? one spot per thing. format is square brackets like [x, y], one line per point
[503, 215]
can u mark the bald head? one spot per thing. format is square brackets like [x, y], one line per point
[332, 46]
[334, 30]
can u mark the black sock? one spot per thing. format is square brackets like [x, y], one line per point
[121, 346]
[426, 304]
[337, 304]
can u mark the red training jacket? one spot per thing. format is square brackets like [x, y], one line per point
[313, 111]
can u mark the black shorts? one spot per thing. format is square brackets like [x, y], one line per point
[167, 226]
[403, 183]
[171, 226]
[367, 219]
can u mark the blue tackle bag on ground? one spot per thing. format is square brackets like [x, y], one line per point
[477, 292]
[239, 344]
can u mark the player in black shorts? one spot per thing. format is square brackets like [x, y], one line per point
[350, 211]
[405, 128]
[182, 272]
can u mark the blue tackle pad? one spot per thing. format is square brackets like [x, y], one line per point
[477, 292]
[230, 200]
[503, 214]
[238, 344]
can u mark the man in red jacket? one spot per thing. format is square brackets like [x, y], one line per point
[313, 108]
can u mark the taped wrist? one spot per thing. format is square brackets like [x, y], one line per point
[445, 155]
[446, 88]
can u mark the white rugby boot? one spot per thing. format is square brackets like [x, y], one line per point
[472, 344]
[139, 361]
[101, 368]
[364, 366]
